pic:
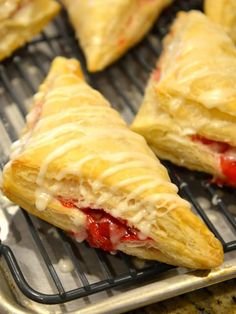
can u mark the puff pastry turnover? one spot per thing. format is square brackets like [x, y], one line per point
[106, 29]
[79, 167]
[20, 20]
[188, 114]
[223, 12]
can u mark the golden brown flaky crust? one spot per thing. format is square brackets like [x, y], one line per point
[192, 92]
[223, 12]
[106, 29]
[20, 20]
[76, 147]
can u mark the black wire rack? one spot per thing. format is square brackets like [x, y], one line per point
[123, 84]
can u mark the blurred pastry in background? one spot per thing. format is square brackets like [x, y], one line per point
[223, 12]
[188, 115]
[20, 20]
[106, 29]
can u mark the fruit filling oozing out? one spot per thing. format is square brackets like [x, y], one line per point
[227, 155]
[102, 230]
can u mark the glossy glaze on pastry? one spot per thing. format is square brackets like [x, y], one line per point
[223, 12]
[79, 167]
[20, 20]
[188, 114]
[106, 29]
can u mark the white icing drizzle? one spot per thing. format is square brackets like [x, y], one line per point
[82, 110]
[203, 202]
[147, 186]
[42, 198]
[81, 234]
[170, 201]
[79, 220]
[145, 226]
[215, 200]
[54, 134]
[139, 263]
[65, 265]
[128, 165]
[165, 198]
[183, 184]
[113, 157]
[132, 180]
[16, 148]
[54, 155]
[93, 134]
[53, 232]
[92, 110]
[139, 216]
[142, 236]
[75, 168]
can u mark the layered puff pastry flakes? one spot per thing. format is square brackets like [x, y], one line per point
[106, 29]
[188, 115]
[79, 167]
[223, 12]
[20, 20]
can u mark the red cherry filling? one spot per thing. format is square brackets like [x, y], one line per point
[227, 155]
[228, 167]
[69, 203]
[103, 230]
[218, 147]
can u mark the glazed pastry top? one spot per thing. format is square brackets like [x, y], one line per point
[79, 141]
[200, 63]
[77, 159]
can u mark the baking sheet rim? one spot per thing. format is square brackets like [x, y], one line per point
[166, 287]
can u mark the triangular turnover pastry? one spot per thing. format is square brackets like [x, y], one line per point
[188, 115]
[223, 12]
[106, 29]
[20, 20]
[79, 167]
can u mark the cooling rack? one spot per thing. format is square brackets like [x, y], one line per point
[123, 84]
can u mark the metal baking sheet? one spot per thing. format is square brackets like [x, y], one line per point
[170, 284]
[123, 85]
